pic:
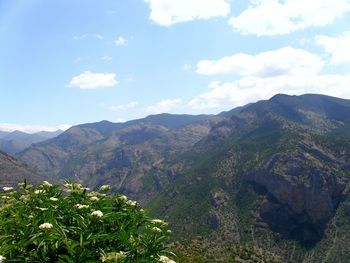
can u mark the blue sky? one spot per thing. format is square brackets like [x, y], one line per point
[65, 62]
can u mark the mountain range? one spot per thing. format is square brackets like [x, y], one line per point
[17, 141]
[269, 180]
[13, 171]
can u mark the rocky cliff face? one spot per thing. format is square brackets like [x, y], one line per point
[302, 194]
[13, 172]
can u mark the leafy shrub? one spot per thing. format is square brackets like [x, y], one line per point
[73, 224]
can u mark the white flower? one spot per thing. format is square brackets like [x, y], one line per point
[165, 259]
[131, 203]
[2, 258]
[67, 185]
[42, 208]
[105, 187]
[156, 229]
[24, 197]
[46, 183]
[97, 213]
[46, 226]
[7, 189]
[5, 197]
[159, 222]
[38, 192]
[54, 199]
[79, 206]
[122, 198]
[94, 198]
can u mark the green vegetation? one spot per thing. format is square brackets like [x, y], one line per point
[193, 252]
[49, 224]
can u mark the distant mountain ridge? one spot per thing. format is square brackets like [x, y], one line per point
[16, 141]
[120, 154]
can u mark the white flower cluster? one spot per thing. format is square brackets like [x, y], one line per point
[156, 229]
[122, 198]
[75, 187]
[46, 183]
[97, 213]
[79, 206]
[24, 197]
[105, 188]
[165, 259]
[159, 222]
[131, 203]
[94, 198]
[7, 189]
[45, 226]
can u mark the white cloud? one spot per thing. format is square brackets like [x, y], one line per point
[120, 41]
[164, 106]
[169, 12]
[129, 105]
[282, 61]
[91, 80]
[278, 17]
[336, 47]
[96, 36]
[286, 70]
[228, 95]
[9, 127]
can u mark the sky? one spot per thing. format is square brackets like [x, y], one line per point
[67, 62]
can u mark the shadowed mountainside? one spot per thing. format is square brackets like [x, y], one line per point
[13, 172]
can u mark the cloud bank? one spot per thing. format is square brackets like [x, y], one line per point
[170, 12]
[91, 80]
[280, 17]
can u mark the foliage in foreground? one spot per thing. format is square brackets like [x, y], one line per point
[48, 224]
